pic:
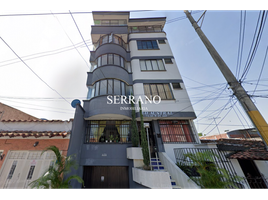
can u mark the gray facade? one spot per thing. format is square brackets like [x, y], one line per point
[98, 118]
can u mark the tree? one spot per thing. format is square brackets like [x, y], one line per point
[134, 130]
[53, 177]
[208, 175]
[144, 143]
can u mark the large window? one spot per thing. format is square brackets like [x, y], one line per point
[111, 38]
[109, 87]
[147, 44]
[108, 22]
[108, 131]
[152, 65]
[176, 131]
[111, 59]
[161, 89]
[142, 29]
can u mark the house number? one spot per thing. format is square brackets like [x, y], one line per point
[104, 154]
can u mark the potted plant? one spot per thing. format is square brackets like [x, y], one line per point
[111, 138]
[116, 139]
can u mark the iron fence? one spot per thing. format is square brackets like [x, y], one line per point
[219, 161]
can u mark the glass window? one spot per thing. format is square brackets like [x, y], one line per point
[99, 61]
[139, 44]
[103, 87]
[160, 64]
[150, 29]
[135, 29]
[142, 29]
[154, 64]
[96, 89]
[123, 88]
[161, 41]
[144, 44]
[129, 90]
[105, 22]
[142, 65]
[104, 59]
[116, 60]
[155, 46]
[122, 63]
[147, 91]
[110, 86]
[168, 61]
[122, 22]
[128, 66]
[105, 39]
[148, 65]
[157, 28]
[110, 59]
[149, 44]
[168, 91]
[114, 22]
[91, 91]
[161, 91]
[116, 40]
[117, 90]
[176, 86]
[97, 22]
[110, 38]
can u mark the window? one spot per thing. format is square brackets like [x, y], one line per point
[176, 86]
[30, 173]
[13, 167]
[155, 65]
[161, 41]
[111, 59]
[104, 131]
[168, 61]
[109, 87]
[111, 38]
[161, 89]
[177, 131]
[147, 44]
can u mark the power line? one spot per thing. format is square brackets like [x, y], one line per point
[261, 70]
[71, 41]
[33, 71]
[256, 43]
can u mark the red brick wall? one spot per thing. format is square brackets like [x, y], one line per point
[27, 144]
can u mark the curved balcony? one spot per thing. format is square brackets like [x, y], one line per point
[110, 59]
[100, 108]
[111, 38]
[109, 71]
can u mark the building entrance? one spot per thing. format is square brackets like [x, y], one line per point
[106, 177]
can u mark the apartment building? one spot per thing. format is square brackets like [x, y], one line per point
[130, 56]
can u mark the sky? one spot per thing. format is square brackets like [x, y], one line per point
[44, 61]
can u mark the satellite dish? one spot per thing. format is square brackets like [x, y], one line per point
[75, 102]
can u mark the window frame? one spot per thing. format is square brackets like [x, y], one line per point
[150, 60]
[147, 45]
[168, 61]
[156, 90]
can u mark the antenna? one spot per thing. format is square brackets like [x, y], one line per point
[75, 102]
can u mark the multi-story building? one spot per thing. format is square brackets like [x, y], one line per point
[130, 56]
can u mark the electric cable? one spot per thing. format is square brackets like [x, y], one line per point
[33, 71]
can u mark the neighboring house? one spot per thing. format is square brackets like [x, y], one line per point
[22, 139]
[214, 137]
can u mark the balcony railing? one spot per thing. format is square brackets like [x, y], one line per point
[111, 38]
[108, 132]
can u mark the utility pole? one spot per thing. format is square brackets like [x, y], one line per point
[240, 93]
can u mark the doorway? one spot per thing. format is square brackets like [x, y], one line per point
[106, 177]
[252, 174]
[152, 144]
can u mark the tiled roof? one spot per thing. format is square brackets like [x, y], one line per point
[250, 155]
[34, 120]
[253, 149]
[7, 112]
[36, 134]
